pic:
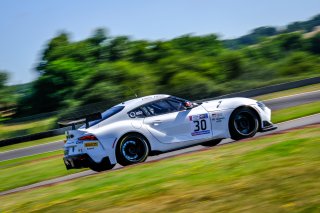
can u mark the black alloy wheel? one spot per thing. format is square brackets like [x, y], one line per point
[132, 149]
[243, 123]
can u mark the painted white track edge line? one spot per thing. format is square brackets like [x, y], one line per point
[291, 95]
[30, 147]
[33, 155]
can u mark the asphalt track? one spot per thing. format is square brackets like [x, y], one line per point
[274, 104]
[313, 119]
[293, 100]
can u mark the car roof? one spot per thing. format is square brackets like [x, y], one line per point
[131, 104]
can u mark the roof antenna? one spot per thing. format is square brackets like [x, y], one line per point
[135, 94]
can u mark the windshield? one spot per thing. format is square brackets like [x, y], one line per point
[107, 114]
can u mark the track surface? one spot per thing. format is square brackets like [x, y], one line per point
[274, 104]
[293, 100]
[313, 119]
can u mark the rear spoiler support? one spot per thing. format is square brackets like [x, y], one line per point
[84, 119]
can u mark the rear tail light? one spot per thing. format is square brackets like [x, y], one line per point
[88, 138]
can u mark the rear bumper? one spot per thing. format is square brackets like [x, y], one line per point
[77, 161]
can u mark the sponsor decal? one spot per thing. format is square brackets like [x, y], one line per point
[218, 117]
[139, 112]
[91, 144]
[200, 132]
[198, 117]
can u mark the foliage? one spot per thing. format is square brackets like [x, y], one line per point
[299, 62]
[3, 78]
[109, 69]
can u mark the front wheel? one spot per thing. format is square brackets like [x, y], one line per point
[243, 123]
[132, 149]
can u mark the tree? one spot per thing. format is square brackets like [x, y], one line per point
[118, 48]
[299, 63]
[4, 76]
[190, 85]
[290, 41]
[99, 36]
[315, 44]
[231, 64]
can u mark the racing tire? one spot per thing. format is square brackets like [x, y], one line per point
[132, 149]
[243, 123]
[211, 143]
[102, 166]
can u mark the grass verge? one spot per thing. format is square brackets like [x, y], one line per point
[32, 143]
[25, 128]
[27, 170]
[295, 112]
[278, 173]
[32, 169]
[295, 91]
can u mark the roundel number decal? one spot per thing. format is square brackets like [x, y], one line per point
[132, 114]
[200, 124]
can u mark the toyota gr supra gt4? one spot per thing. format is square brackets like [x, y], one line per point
[131, 131]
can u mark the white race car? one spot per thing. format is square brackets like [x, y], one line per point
[131, 131]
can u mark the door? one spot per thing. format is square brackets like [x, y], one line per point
[170, 122]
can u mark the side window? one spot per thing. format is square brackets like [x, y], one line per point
[136, 113]
[159, 107]
[146, 111]
[177, 104]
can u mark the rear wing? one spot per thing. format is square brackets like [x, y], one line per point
[80, 120]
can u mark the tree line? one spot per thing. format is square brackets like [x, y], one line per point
[112, 69]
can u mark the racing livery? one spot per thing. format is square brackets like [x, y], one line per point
[131, 131]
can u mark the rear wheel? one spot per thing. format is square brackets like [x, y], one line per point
[243, 123]
[132, 148]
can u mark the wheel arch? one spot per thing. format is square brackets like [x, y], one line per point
[248, 107]
[126, 134]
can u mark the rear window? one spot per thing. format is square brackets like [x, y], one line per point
[107, 114]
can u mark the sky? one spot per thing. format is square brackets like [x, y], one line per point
[27, 25]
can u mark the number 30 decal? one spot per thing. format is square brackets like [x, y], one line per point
[200, 125]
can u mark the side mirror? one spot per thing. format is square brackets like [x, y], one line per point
[188, 105]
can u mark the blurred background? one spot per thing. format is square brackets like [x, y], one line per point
[193, 50]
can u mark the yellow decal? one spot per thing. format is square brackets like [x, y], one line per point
[91, 144]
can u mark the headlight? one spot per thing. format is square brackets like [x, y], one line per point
[261, 105]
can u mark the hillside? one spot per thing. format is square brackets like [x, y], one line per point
[261, 33]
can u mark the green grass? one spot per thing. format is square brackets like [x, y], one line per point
[278, 173]
[32, 169]
[24, 128]
[308, 88]
[295, 112]
[32, 143]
